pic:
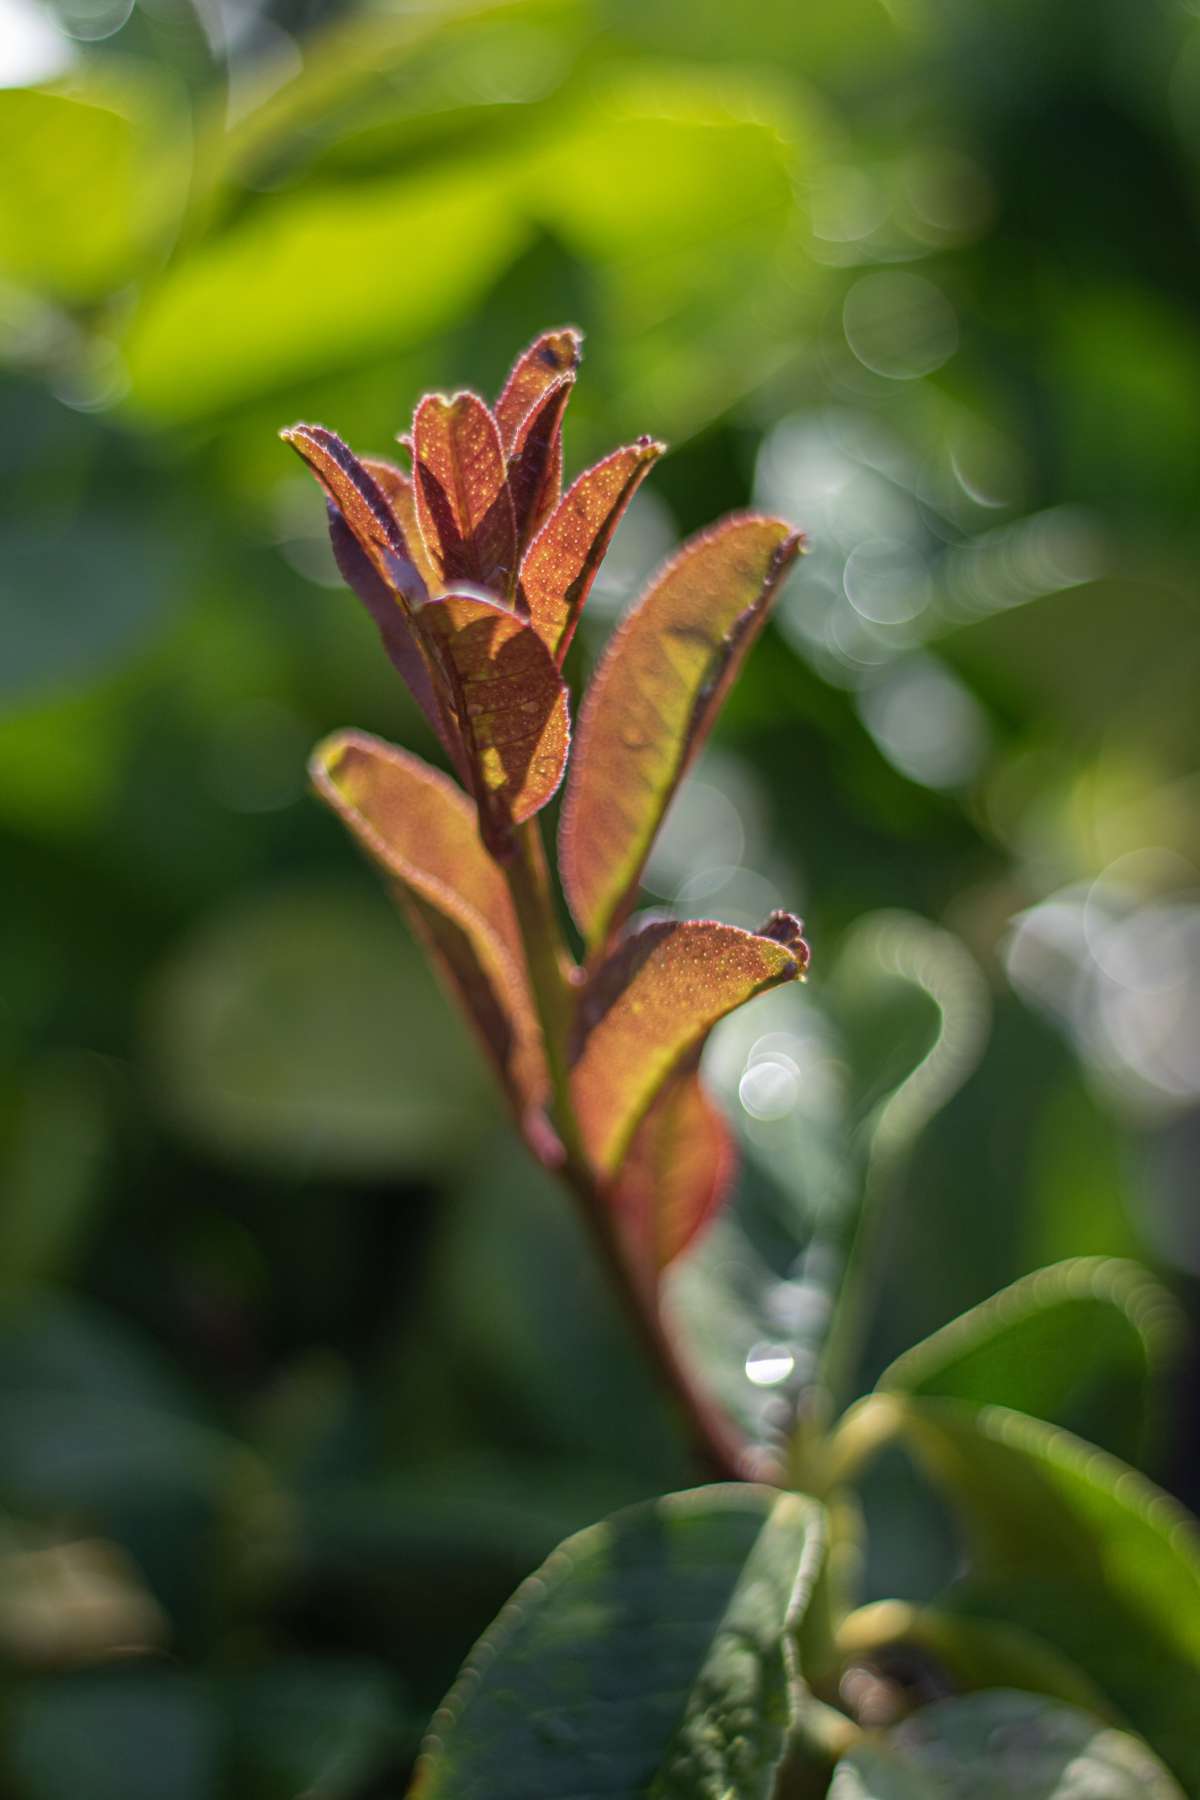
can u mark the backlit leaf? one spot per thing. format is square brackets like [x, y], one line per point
[997, 1744]
[649, 1656]
[372, 553]
[1076, 1339]
[678, 1169]
[397, 489]
[535, 466]
[421, 830]
[562, 560]
[650, 1006]
[652, 701]
[511, 706]
[548, 358]
[462, 496]
[1075, 1546]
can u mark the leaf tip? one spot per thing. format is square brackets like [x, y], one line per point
[786, 929]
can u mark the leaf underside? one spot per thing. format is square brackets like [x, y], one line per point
[421, 831]
[678, 1169]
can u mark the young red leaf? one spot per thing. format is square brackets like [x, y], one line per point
[374, 556]
[554, 354]
[461, 488]
[511, 707]
[397, 489]
[677, 1172]
[652, 702]
[649, 1006]
[535, 465]
[421, 831]
[562, 560]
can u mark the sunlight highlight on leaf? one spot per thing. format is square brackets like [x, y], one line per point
[652, 702]
[463, 502]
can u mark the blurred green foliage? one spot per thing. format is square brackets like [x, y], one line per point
[302, 1366]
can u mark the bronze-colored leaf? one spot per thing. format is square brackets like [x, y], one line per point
[554, 354]
[562, 560]
[421, 831]
[535, 465]
[677, 1172]
[510, 704]
[461, 489]
[650, 1005]
[652, 702]
[396, 486]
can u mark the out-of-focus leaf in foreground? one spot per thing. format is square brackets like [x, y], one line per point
[1078, 1548]
[649, 1655]
[652, 701]
[651, 1005]
[1074, 1344]
[421, 831]
[511, 706]
[996, 1745]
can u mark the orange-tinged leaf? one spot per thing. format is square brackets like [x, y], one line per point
[510, 704]
[374, 555]
[649, 1006]
[563, 558]
[677, 1172]
[421, 831]
[461, 488]
[652, 701]
[554, 354]
[535, 465]
[397, 489]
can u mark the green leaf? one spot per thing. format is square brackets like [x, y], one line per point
[510, 704]
[562, 561]
[117, 1734]
[315, 1726]
[281, 1035]
[999, 1744]
[461, 489]
[652, 702]
[1078, 1548]
[649, 1656]
[421, 830]
[651, 1005]
[1073, 1344]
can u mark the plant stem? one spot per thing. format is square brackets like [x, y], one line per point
[551, 978]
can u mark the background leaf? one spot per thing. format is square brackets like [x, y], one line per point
[992, 1745]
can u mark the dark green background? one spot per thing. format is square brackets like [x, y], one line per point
[290, 1329]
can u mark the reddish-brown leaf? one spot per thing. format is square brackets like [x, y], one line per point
[374, 556]
[535, 465]
[461, 489]
[653, 699]
[677, 1172]
[563, 558]
[397, 489]
[511, 708]
[554, 354]
[421, 831]
[650, 1005]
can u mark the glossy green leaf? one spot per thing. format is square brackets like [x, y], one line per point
[649, 1656]
[510, 707]
[563, 559]
[651, 1005]
[652, 702]
[999, 1744]
[679, 1167]
[422, 831]
[1073, 1344]
[538, 368]
[1080, 1549]
[461, 488]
